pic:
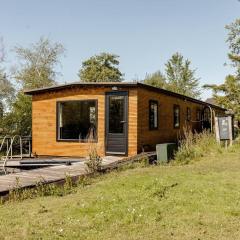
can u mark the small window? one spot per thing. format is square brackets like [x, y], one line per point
[176, 116]
[198, 115]
[188, 114]
[153, 115]
[77, 120]
[206, 115]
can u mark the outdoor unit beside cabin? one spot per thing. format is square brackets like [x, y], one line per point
[165, 151]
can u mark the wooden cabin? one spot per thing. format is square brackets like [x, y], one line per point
[120, 118]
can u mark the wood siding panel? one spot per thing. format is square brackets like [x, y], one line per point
[165, 132]
[44, 122]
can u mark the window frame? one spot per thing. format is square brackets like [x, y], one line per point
[198, 115]
[57, 120]
[152, 127]
[189, 114]
[175, 106]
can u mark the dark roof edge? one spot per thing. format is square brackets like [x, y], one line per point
[167, 92]
[122, 84]
[75, 84]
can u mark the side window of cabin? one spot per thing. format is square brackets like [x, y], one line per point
[198, 115]
[77, 120]
[153, 115]
[176, 116]
[188, 114]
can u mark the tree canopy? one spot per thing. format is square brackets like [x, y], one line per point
[234, 44]
[156, 79]
[228, 94]
[6, 90]
[178, 77]
[35, 70]
[101, 68]
[37, 64]
[6, 87]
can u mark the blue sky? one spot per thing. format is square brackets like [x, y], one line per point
[144, 33]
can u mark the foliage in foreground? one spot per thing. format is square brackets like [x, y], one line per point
[94, 161]
[197, 201]
[196, 145]
[44, 190]
[69, 186]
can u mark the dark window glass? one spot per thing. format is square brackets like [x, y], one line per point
[1, 110]
[77, 120]
[116, 114]
[176, 116]
[206, 115]
[153, 114]
[188, 114]
[198, 115]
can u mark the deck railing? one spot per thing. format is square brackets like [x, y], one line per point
[9, 142]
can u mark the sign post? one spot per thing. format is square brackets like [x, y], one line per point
[224, 131]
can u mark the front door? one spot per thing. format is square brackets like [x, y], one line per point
[116, 123]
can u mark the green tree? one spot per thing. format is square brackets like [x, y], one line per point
[37, 64]
[36, 69]
[19, 119]
[234, 44]
[156, 79]
[6, 87]
[180, 77]
[6, 92]
[101, 68]
[228, 94]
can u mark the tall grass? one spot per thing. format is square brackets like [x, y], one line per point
[193, 146]
[94, 160]
[43, 190]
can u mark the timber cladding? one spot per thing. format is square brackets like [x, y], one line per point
[44, 122]
[165, 131]
[140, 131]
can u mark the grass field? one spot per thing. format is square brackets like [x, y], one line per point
[200, 200]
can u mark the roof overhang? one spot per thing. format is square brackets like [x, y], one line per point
[118, 85]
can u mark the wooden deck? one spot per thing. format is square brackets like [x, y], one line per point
[54, 174]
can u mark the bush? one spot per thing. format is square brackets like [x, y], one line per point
[195, 145]
[94, 161]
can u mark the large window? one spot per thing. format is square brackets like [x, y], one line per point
[176, 116]
[198, 118]
[116, 114]
[153, 115]
[188, 114]
[77, 120]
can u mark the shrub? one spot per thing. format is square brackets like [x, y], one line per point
[94, 161]
[42, 190]
[143, 161]
[195, 145]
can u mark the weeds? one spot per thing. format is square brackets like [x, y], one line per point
[196, 145]
[94, 161]
[141, 162]
[43, 190]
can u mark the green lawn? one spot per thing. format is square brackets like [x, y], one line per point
[196, 201]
